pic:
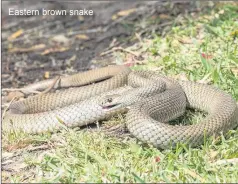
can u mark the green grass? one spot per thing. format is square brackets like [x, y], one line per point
[86, 156]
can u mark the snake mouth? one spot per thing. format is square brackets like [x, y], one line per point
[108, 107]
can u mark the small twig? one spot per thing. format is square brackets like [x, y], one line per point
[95, 30]
[21, 90]
[138, 36]
[97, 124]
[51, 86]
[114, 23]
[18, 152]
[7, 106]
[119, 49]
[27, 91]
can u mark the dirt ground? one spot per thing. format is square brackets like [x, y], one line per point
[39, 47]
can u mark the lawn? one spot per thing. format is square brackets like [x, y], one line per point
[199, 47]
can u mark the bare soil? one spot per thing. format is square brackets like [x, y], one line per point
[39, 47]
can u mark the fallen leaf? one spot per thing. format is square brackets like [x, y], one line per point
[164, 16]
[157, 159]
[82, 37]
[129, 64]
[194, 175]
[185, 40]
[6, 177]
[123, 13]
[61, 39]
[175, 43]
[114, 17]
[126, 12]
[47, 75]
[81, 18]
[216, 15]
[221, 12]
[154, 17]
[206, 56]
[207, 17]
[235, 71]
[213, 154]
[53, 50]
[15, 35]
[30, 49]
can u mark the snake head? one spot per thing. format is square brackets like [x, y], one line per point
[111, 102]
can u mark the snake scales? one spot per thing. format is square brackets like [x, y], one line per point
[153, 100]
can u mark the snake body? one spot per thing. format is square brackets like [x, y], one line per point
[153, 100]
[116, 76]
[146, 120]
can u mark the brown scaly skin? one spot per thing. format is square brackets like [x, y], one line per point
[151, 106]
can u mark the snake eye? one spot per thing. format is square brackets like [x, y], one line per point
[109, 100]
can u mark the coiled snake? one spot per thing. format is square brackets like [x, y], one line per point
[153, 100]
